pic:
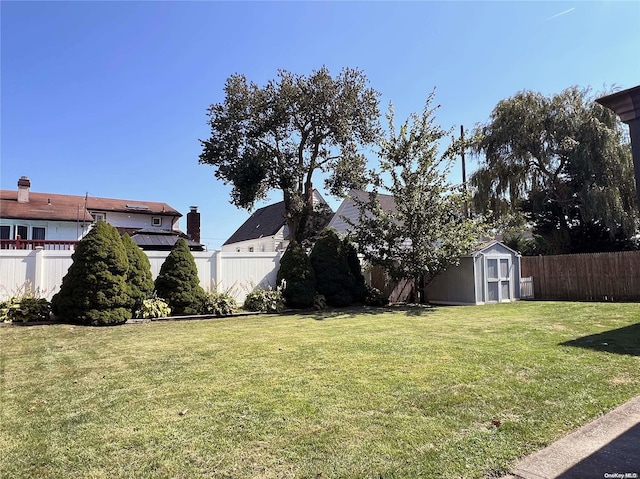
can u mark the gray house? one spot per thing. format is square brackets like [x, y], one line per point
[490, 275]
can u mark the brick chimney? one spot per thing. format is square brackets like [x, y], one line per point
[23, 189]
[193, 224]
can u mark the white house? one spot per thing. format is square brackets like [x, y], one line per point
[53, 217]
[265, 231]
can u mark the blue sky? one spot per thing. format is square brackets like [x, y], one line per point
[110, 98]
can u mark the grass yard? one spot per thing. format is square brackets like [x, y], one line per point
[388, 393]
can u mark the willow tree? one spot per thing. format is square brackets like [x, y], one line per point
[426, 231]
[563, 160]
[276, 137]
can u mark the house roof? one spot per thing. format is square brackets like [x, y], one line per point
[55, 207]
[387, 202]
[263, 222]
[162, 240]
[266, 221]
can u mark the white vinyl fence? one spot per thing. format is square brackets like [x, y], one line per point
[43, 270]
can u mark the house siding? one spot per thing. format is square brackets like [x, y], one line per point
[54, 230]
[266, 244]
[137, 220]
[347, 208]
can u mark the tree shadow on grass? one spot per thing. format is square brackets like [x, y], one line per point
[358, 311]
[619, 341]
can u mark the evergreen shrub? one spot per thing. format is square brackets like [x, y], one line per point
[94, 291]
[139, 277]
[178, 283]
[333, 275]
[359, 290]
[296, 277]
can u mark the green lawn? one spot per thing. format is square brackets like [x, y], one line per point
[391, 393]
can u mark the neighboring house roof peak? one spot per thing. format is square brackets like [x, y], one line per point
[265, 221]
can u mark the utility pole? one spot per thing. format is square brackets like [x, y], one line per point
[464, 174]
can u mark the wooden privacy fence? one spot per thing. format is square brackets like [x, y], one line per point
[585, 277]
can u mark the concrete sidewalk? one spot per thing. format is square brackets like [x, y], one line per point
[607, 448]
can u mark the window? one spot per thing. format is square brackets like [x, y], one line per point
[156, 221]
[38, 233]
[250, 249]
[99, 216]
[22, 231]
[5, 232]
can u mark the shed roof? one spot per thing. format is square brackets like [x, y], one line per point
[485, 246]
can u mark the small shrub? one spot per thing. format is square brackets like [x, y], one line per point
[24, 309]
[265, 300]
[153, 308]
[220, 304]
[375, 297]
[319, 302]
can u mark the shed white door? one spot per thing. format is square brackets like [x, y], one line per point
[498, 279]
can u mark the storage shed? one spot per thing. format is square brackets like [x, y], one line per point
[490, 275]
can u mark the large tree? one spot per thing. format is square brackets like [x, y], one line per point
[277, 136]
[427, 231]
[563, 160]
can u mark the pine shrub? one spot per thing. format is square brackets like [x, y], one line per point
[359, 290]
[139, 277]
[178, 283]
[296, 276]
[94, 291]
[333, 275]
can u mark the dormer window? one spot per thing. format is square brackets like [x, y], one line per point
[156, 221]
